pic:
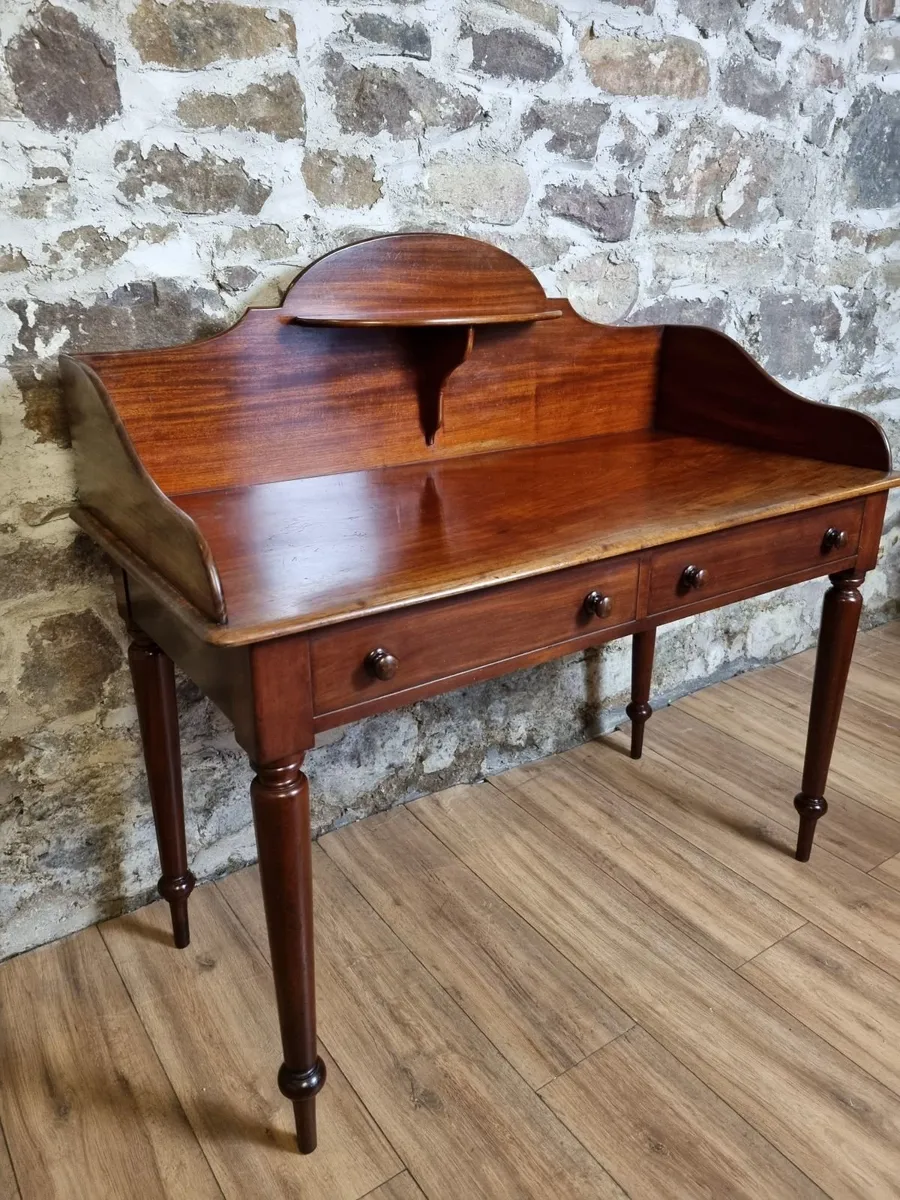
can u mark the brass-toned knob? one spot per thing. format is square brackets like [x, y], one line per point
[834, 539]
[382, 664]
[694, 578]
[597, 604]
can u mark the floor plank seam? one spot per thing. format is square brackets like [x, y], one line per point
[582, 1061]
[264, 951]
[894, 1092]
[766, 949]
[788, 823]
[4, 1144]
[386, 1182]
[891, 883]
[671, 1050]
[189, 1124]
[438, 983]
[740, 1116]
[743, 874]
[534, 928]
[881, 706]
[665, 1042]
[603, 1167]
[699, 849]
[788, 807]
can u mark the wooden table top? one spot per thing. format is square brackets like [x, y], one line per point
[308, 552]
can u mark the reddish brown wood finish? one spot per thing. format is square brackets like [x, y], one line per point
[710, 387]
[354, 501]
[639, 710]
[116, 494]
[870, 533]
[728, 561]
[280, 795]
[154, 692]
[445, 638]
[304, 553]
[267, 401]
[248, 683]
[840, 620]
[417, 279]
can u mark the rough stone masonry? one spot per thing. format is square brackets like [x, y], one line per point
[731, 162]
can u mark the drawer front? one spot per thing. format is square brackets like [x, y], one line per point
[754, 554]
[433, 641]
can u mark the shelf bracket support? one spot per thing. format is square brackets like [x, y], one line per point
[435, 353]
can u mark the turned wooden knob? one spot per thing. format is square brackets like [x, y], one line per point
[382, 664]
[694, 578]
[834, 539]
[597, 604]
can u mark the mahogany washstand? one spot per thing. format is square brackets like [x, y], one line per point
[420, 472]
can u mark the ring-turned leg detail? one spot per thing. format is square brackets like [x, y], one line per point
[840, 619]
[280, 795]
[639, 710]
[153, 677]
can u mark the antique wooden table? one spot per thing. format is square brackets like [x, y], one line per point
[420, 472]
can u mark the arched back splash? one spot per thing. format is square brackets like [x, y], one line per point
[394, 350]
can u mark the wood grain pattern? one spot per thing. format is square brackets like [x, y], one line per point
[9, 1189]
[413, 1056]
[84, 1101]
[888, 871]
[268, 401]
[849, 904]
[709, 385]
[869, 724]
[844, 999]
[706, 901]
[116, 492]
[466, 632]
[802, 1095]
[887, 635]
[417, 279]
[210, 1013]
[401, 1187]
[734, 559]
[542, 1014]
[308, 552]
[866, 683]
[761, 723]
[672, 1111]
[854, 832]
[363, 452]
[663, 1133]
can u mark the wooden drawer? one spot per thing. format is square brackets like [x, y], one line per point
[741, 558]
[446, 637]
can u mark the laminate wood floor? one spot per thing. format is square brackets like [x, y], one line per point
[586, 978]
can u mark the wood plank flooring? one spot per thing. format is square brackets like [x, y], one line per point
[585, 978]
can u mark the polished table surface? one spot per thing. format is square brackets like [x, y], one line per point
[309, 552]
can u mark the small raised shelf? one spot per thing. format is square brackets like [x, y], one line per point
[401, 320]
[426, 282]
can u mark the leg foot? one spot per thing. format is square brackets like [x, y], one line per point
[840, 618]
[810, 809]
[639, 710]
[280, 795]
[154, 690]
[302, 1088]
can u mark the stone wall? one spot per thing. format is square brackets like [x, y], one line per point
[732, 162]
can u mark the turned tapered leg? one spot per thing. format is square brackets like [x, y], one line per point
[639, 710]
[840, 618]
[280, 795]
[154, 690]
